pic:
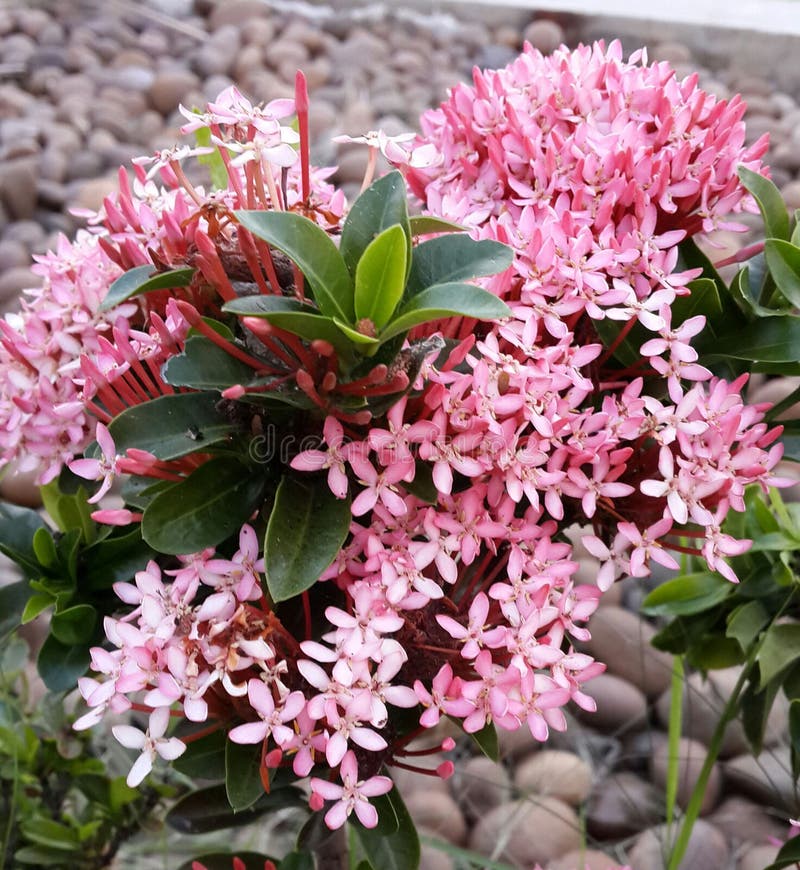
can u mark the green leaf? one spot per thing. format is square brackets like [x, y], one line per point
[452, 258]
[17, 528]
[203, 510]
[788, 856]
[243, 784]
[755, 707]
[382, 205]
[45, 548]
[354, 335]
[75, 625]
[173, 426]
[397, 851]
[745, 622]
[690, 256]
[422, 486]
[783, 260]
[446, 300]
[224, 861]
[313, 250]
[205, 366]
[770, 202]
[779, 649]
[704, 299]
[713, 653]
[691, 593]
[60, 664]
[207, 809]
[306, 530]
[267, 306]
[116, 559]
[37, 604]
[204, 757]
[54, 835]
[381, 276]
[771, 339]
[144, 279]
[216, 165]
[425, 224]
[297, 861]
[70, 510]
[42, 856]
[486, 740]
[13, 602]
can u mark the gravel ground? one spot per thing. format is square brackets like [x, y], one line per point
[85, 87]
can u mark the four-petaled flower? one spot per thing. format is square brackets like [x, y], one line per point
[351, 795]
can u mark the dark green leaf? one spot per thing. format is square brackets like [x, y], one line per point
[205, 366]
[314, 835]
[788, 856]
[75, 625]
[690, 256]
[54, 835]
[779, 649]
[381, 276]
[755, 708]
[144, 279]
[70, 510]
[422, 486]
[207, 809]
[382, 205]
[704, 299]
[172, 426]
[425, 224]
[13, 600]
[306, 530]
[204, 757]
[297, 861]
[783, 260]
[116, 559]
[42, 856]
[451, 258]
[37, 604]
[354, 335]
[203, 510]
[138, 492]
[691, 593]
[388, 823]
[224, 861]
[771, 339]
[745, 623]
[398, 851]
[770, 202]
[17, 528]
[446, 300]
[713, 653]
[242, 777]
[313, 250]
[486, 740]
[60, 665]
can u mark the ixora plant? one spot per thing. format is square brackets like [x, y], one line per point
[346, 468]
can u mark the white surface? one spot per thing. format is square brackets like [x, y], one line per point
[767, 16]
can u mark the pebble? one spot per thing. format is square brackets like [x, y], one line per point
[766, 778]
[19, 487]
[741, 820]
[14, 281]
[584, 859]
[18, 187]
[168, 89]
[620, 705]
[439, 813]
[479, 785]
[12, 254]
[621, 639]
[432, 858]
[707, 849]
[622, 805]
[559, 774]
[526, 832]
[691, 755]
[758, 857]
[544, 35]
[239, 13]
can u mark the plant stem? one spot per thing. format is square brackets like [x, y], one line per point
[675, 723]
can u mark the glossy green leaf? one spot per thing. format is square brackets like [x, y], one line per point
[144, 279]
[354, 335]
[75, 625]
[745, 623]
[173, 426]
[17, 528]
[267, 306]
[691, 593]
[13, 602]
[207, 809]
[486, 740]
[205, 366]
[704, 299]
[783, 260]
[446, 300]
[779, 649]
[397, 851]
[297, 861]
[45, 548]
[306, 529]
[204, 757]
[427, 224]
[313, 250]
[382, 205]
[690, 256]
[770, 202]
[115, 559]
[714, 653]
[771, 339]
[243, 784]
[203, 510]
[381, 276]
[452, 258]
[61, 664]
[70, 510]
[788, 855]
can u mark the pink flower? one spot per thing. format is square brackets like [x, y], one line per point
[333, 458]
[152, 742]
[351, 795]
[272, 716]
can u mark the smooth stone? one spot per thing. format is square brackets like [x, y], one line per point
[29, 232]
[514, 744]
[724, 682]
[408, 782]
[559, 774]
[691, 756]
[430, 857]
[53, 164]
[507, 35]
[584, 859]
[622, 640]
[622, 805]
[524, 833]
[741, 819]
[439, 813]
[20, 488]
[671, 52]
[707, 849]
[495, 56]
[14, 281]
[620, 705]
[544, 35]
[766, 779]
[238, 13]
[13, 254]
[791, 194]
[758, 857]
[18, 187]
[91, 194]
[479, 785]
[352, 166]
